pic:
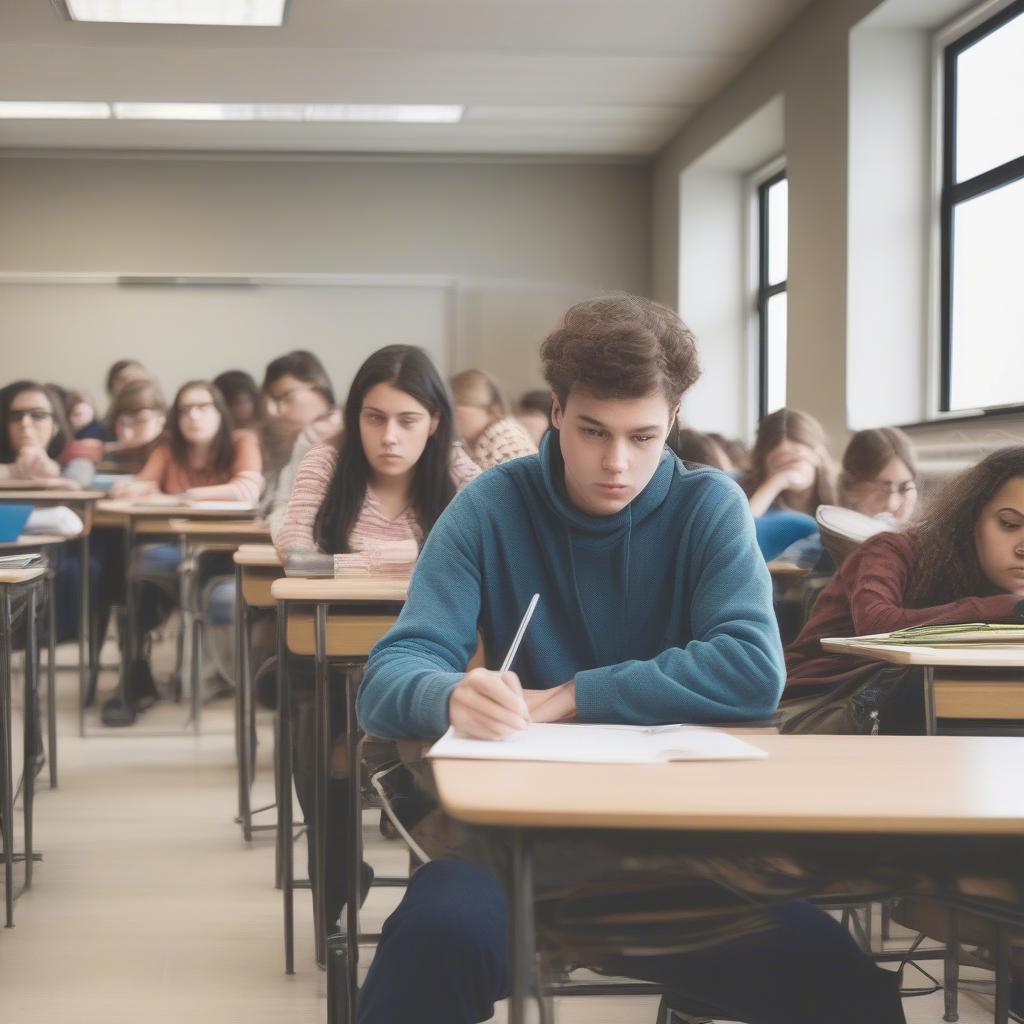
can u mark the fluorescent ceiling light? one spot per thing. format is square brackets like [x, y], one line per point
[39, 109]
[180, 12]
[364, 113]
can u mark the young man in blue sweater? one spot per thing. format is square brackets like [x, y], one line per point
[655, 607]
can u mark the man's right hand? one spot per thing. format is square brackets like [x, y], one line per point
[488, 705]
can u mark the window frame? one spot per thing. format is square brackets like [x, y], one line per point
[952, 194]
[764, 290]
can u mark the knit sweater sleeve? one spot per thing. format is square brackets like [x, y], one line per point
[246, 473]
[461, 468]
[412, 671]
[877, 577]
[501, 442]
[728, 665]
[312, 480]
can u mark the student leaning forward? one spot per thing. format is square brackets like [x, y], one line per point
[655, 607]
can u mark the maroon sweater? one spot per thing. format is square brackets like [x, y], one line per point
[866, 596]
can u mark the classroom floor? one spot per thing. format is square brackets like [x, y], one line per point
[149, 907]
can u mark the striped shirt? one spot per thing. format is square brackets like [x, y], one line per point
[372, 528]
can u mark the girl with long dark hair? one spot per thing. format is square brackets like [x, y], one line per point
[375, 493]
[964, 562]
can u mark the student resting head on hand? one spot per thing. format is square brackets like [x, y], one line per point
[655, 607]
[35, 440]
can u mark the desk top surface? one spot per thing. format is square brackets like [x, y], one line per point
[295, 588]
[1008, 656]
[34, 540]
[10, 577]
[807, 784]
[56, 495]
[787, 569]
[257, 556]
[220, 527]
[118, 507]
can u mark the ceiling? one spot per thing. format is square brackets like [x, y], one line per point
[558, 77]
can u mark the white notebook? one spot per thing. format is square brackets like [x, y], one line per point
[602, 744]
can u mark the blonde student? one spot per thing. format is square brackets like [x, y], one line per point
[491, 436]
[376, 492]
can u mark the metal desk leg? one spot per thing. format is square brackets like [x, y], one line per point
[85, 639]
[128, 640]
[51, 675]
[322, 762]
[951, 971]
[31, 687]
[242, 697]
[355, 842]
[7, 768]
[285, 839]
[1002, 1011]
[191, 613]
[523, 951]
[930, 721]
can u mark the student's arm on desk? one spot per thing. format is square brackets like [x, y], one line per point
[412, 671]
[877, 578]
[732, 669]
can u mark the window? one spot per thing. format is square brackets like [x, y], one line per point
[982, 216]
[772, 273]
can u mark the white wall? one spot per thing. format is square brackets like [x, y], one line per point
[518, 242]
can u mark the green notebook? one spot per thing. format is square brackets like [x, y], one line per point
[966, 634]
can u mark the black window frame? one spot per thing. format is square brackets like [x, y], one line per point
[765, 291]
[954, 194]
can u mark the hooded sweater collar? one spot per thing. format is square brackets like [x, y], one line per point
[642, 506]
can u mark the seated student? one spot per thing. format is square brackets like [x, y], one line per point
[533, 410]
[490, 435]
[391, 474]
[736, 450]
[138, 415]
[242, 396]
[82, 418]
[700, 449]
[202, 459]
[879, 475]
[790, 476]
[300, 402]
[964, 562]
[655, 607]
[35, 440]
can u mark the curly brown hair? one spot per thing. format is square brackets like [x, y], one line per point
[947, 566]
[620, 346]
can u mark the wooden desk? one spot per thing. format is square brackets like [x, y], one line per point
[855, 793]
[42, 543]
[983, 682]
[257, 567]
[337, 621]
[14, 582]
[166, 519]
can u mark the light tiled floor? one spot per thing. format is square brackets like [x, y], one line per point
[150, 908]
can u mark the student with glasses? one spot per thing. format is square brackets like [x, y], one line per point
[879, 475]
[138, 417]
[202, 459]
[36, 442]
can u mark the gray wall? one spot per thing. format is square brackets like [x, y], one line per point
[511, 244]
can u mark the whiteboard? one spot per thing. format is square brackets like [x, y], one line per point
[70, 333]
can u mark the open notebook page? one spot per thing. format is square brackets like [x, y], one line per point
[601, 744]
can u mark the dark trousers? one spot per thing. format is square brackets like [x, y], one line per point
[442, 960]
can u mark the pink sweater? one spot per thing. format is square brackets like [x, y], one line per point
[243, 484]
[372, 529]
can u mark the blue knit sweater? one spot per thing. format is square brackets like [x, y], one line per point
[661, 612]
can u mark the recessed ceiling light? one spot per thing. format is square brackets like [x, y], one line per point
[365, 113]
[180, 12]
[39, 109]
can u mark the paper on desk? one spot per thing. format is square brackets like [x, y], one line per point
[221, 506]
[601, 744]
